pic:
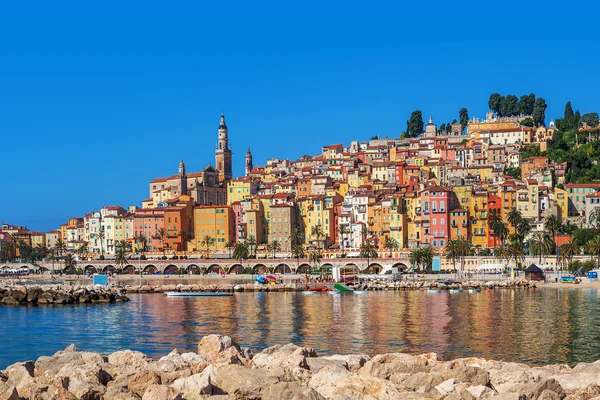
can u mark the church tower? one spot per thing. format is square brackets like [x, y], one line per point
[181, 180]
[223, 153]
[248, 163]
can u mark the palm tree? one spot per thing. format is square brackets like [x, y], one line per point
[59, 246]
[453, 252]
[567, 252]
[274, 246]
[298, 253]
[540, 244]
[240, 251]
[593, 246]
[101, 236]
[523, 228]
[314, 257]
[390, 244]
[317, 231]
[120, 257]
[426, 257]
[494, 222]
[368, 250]
[515, 251]
[296, 237]
[70, 262]
[229, 246]
[207, 241]
[552, 224]
[82, 250]
[252, 243]
[162, 234]
[365, 232]
[514, 217]
[141, 240]
[343, 230]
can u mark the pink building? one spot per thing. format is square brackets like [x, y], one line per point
[435, 216]
[148, 221]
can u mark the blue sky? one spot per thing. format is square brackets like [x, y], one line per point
[98, 99]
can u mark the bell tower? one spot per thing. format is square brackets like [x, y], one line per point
[248, 163]
[223, 153]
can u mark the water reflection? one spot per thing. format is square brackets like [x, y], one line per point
[543, 326]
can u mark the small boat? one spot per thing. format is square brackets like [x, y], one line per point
[474, 290]
[319, 289]
[197, 294]
[334, 292]
[309, 292]
[456, 291]
[360, 291]
[431, 291]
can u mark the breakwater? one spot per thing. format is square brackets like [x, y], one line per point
[299, 287]
[14, 294]
[220, 367]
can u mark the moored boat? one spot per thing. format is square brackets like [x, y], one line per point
[197, 294]
[431, 291]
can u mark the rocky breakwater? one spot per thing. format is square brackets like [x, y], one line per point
[221, 369]
[225, 287]
[60, 294]
[481, 285]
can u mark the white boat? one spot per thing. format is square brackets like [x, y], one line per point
[309, 292]
[456, 290]
[197, 294]
[360, 291]
[434, 291]
[474, 290]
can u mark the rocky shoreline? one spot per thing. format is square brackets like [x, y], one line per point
[299, 287]
[221, 369]
[14, 294]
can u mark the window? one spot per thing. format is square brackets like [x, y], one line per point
[442, 221]
[434, 221]
[442, 205]
[442, 243]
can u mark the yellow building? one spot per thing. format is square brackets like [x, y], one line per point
[562, 200]
[216, 222]
[239, 189]
[478, 212]
[38, 239]
[314, 211]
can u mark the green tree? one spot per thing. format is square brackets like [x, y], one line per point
[540, 244]
[274, 246]
[252, 243]
[567, 251]
[70, 262]
[343, 229]
[240, 251]
[296, 237]
[593, 247]
[162, 234]
[514, 217]
[82, 250]
[298, 252]
[581, 237]
[526, 104]
[391, 244]
[314, 257]
[101, 236]
[494, 103]
[527, 122]
[120, 258]
[464, 118]
[515, 251]
[568, 110]
[426, 257]
[539, 111]
[414, 126]
[514, 172]
[317, 232]
[552, 225]
[141, 241]
[229, 246]
[509, 105]
[207, 241]
[591, 119]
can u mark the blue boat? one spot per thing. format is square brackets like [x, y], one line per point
[474, 290]
[197, 294]
[456, 291]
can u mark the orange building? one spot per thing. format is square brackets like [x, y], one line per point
[494, 203]
[216, 223]
[179, 222]
[459, 224]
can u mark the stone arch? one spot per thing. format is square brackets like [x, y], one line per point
[91, 269]
[282, 268]
[192, 269]
[171, 269]
[260, 268]
[129, 269]
[216, 268]
[151, 269]
[374, 268]
[402, 267]
[326, 268]
[303, 269]
[235, 269]
[110, 268]
[350, 267]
